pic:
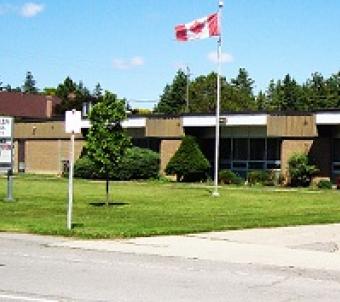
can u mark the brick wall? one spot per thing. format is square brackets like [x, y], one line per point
[167, 149]
[45, 156]
[291, 146]
[318, 149]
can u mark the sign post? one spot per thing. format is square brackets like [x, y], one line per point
[72, 126]
[6, 153]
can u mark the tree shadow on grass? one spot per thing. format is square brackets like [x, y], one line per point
[77, 225]
[111, 204]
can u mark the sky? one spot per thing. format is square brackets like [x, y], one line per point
[129, 46]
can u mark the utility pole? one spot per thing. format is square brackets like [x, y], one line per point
[187, 93]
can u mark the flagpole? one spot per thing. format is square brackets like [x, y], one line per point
[217, 127]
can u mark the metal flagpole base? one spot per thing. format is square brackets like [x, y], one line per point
[215, 194]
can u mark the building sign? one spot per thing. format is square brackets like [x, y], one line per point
[6, 127]
[6, 144]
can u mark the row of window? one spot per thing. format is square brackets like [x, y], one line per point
[244, 149]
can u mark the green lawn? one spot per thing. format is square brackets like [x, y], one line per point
[150, 208]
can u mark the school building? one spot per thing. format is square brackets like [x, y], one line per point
[249, 141]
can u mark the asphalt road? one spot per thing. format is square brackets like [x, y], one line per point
[33, 269]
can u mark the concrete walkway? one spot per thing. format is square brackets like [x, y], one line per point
[304, 247]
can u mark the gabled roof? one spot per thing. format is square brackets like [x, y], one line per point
[27, 105]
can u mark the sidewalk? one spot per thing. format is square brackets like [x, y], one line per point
[304, 247]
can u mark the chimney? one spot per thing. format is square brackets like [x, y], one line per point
[49, 106]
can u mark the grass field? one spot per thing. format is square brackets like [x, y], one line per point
[150, 208]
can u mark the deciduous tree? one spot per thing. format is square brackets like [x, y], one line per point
[106, 141]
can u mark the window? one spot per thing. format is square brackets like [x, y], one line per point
[257, 149]
[336, 150]
[273, 149]
[225, 149]
[240, 149]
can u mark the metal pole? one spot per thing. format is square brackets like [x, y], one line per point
[187, 94]
[70, 184]
[9, 186]
[217, 128]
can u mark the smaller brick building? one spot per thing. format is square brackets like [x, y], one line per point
[24, 105]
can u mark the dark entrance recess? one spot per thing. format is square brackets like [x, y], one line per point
[21, 156]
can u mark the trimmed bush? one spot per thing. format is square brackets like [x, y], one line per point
[300, 170]
[189, 163]
[324, 184]
[263, 177]
[228, 177]
[137, 163]
[257, 177]
[85, 168]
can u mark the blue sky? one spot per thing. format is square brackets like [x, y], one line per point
[129, 46]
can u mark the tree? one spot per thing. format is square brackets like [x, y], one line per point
[173, 99]
[188, 163]
[203, 91]
[318, 92]
[261, 101]
[49, 91]
[333, 84]
[106, 141]
[291, 94]
[286, 95]
[98, 91]
[29, 84]
[72, 95]
[243, 90]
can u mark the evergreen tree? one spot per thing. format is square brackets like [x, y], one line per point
[73, 95]
[333, 84]
[261, 101]
[188, 163]
[98, 91]
[243, 86]
[317, 92]
[29, 84]
[291, 95]
[243, 82]
[173, 99]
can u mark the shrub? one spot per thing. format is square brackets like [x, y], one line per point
[229, 177]
[188, 163]
[137, 163]
[300, 170]
[85, 168]
[263, 177]
[258, 177]
[324, 184]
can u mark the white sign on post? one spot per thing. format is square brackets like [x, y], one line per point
[6, 143]
[72, 125]
[73, 121]
[6, 152]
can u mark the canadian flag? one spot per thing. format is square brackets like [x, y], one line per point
[198, 29]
